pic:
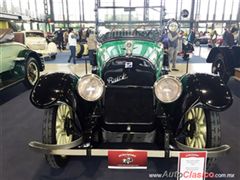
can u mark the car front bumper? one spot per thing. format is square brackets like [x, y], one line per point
[80, 150]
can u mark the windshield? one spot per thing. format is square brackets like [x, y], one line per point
[114, 32]
[34, 34]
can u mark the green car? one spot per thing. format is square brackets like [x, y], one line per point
[130, 103]
[18, 62]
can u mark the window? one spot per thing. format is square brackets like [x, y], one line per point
[73, 9]
[137, 15]
[235, 9]
[122, 3]
[219, 11]
[154, 14]
[228, 9]
[122, 15]
[105, 15]
[108, 3]
[203, 9]
[211, 9]
[58, 9]
[186, 4]
[88, 10]
[34, 34]
[170, 9]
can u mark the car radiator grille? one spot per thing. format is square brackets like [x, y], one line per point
[129, 95]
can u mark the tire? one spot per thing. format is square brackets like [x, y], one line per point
[219, 68]
[50, 131]
[213, 135]
[207, 123]
[32, 72]
[53, 57]
[81, 51]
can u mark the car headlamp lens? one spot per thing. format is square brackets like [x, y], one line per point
[129, 47]
[128, 44]
[168, 89]
[91, 87]
[161, 45]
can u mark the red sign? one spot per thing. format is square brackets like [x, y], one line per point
[127, 159]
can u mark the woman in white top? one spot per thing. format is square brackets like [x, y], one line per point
[72, 41]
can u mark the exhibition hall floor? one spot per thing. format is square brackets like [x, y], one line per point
[21, 122]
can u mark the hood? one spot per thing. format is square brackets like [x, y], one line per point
[140, 48]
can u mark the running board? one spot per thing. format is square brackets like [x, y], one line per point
[65, 150]
[11, 84]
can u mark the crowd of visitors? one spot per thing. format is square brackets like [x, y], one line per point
[69, 39]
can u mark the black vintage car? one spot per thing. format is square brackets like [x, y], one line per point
[224, 60]
[129, 103]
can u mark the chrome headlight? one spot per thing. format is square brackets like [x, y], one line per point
[168, 89]
[129, 47]
[161, 45]
[173, 25]
[90, 87]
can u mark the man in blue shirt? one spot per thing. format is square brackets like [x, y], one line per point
[172, 44]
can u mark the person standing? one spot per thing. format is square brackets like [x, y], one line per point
[65, 38]
[59, 39]
[214, 38]
[192, 36]
[225, 36]
[72, 41]
[92, 46]
[228, 38]
[172, 45]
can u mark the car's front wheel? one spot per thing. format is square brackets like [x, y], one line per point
[57, 120]
[32, 72]
[53, 57]
[203, 130]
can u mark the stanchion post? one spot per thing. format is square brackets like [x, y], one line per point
[200, 48]
[86, 70]
[187, 65]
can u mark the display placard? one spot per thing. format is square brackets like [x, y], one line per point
[127, 159]
[192, 165]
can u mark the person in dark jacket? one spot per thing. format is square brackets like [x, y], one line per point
[228, 38]
[59, 39]
[192, 36]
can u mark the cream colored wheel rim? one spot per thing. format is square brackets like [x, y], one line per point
[198, 140]
[32, 73]
[64, 113]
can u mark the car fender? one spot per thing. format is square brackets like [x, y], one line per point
[54, 88]
[209, 90]
[26, 53]
[236, 53]
[229, 57]
[52, 48]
